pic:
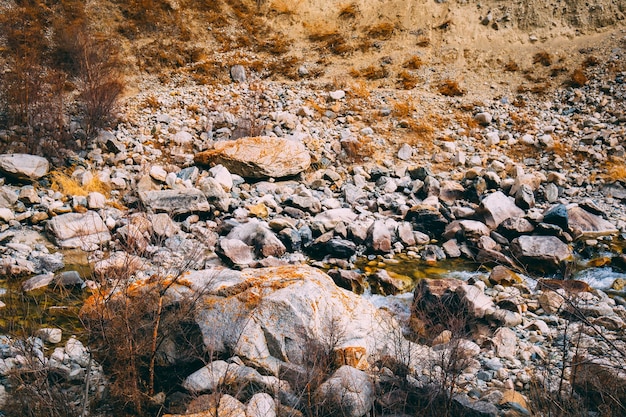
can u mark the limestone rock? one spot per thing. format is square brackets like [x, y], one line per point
[537, 252]
[258, 157]
[497, 207]
[175, 202]
[585, 225]
[349, 391]
[379, 237]
[24, 166]
[261, 405]
[74, 230]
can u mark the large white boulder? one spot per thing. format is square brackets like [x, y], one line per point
[24, 166]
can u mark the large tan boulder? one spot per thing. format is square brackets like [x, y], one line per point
[258, 157]
[24, 166]
[585, 225]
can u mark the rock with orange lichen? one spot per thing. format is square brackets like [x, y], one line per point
[258, 157]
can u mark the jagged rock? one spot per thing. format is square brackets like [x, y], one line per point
[238, 73]
[469, 229]
[379, 237]
[497, 207]
[478, 304]
[258, 157]
[8, 197]
[515, 226]
[525, 197]
[348, 391]
[214, 193]
[501, 275]
[585, 225]
[269, 316]
[505, 343]
[335, 247]
[175, 202]
[551, 302]
[541, 252]
[350, 280]
[557, 215]
[330, 218]
[464, 406]
[391, 282]
[235, 251]
[163, 226]
[427, 219]
[24, 166]
[36, 282]
[261, 405]
[74, 230]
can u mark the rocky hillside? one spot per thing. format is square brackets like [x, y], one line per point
[265, 227]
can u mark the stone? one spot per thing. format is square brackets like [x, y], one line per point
[497, 207]
[557, 215]
[175, 202]
[337, 94]
[379, 237]
[261, 405]
[515, 226]
[24, 166]
[516, 401]
[405, 152]
[75, 230]
[180, 138]
[478, 304]
[585, 225]
[158, 173]
[258, 157]
[163, 226]
[450, 191]
[427, 219]
[214, 193]
[600, 380]
[222, 176]
[551, 302]
[505, 343]
[541, 252]
[349, 391]
[50, 335]
[551, 192]
[350, 280]
[235, 252]
[269, 316]
[483, 118]
[68, 279]
[28, 195]
[238, 73]
[501, 275]
[452, 248]
[467, 229]
[525, 197]
[391, 282]
[462, 405]
[96, 201]
[6, 215]
[36, 282]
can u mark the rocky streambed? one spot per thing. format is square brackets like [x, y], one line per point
[244, 240]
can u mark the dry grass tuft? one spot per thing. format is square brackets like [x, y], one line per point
[358, 149]
[450, 88]
[511, 66]
[331, 40]
[152, 102]
[543, 58]
[591, 61]
[349, 11]
[69, 186]
[578, 78]
[283, 7]
[360, 89]
[423, 41]
[414, 62]
[407, 80]
[382, 30]
[403, 108]
[372, 72]
[616, 171]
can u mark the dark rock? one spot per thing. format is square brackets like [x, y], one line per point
[556, 215]
[515, 226]
[350, 280]
[427, 219]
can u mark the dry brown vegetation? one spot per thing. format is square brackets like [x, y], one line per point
[450, 88]
[543, 58]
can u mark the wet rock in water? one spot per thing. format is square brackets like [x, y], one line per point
[349, 391]
[541, 252]
[585, 225]
[69, 279]
[350, 280]
[391, 282]
[258, 157]
[175, 202]
[497, 207]
[75, 230]
[24, 166]
[36, 282]
[501, 275]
